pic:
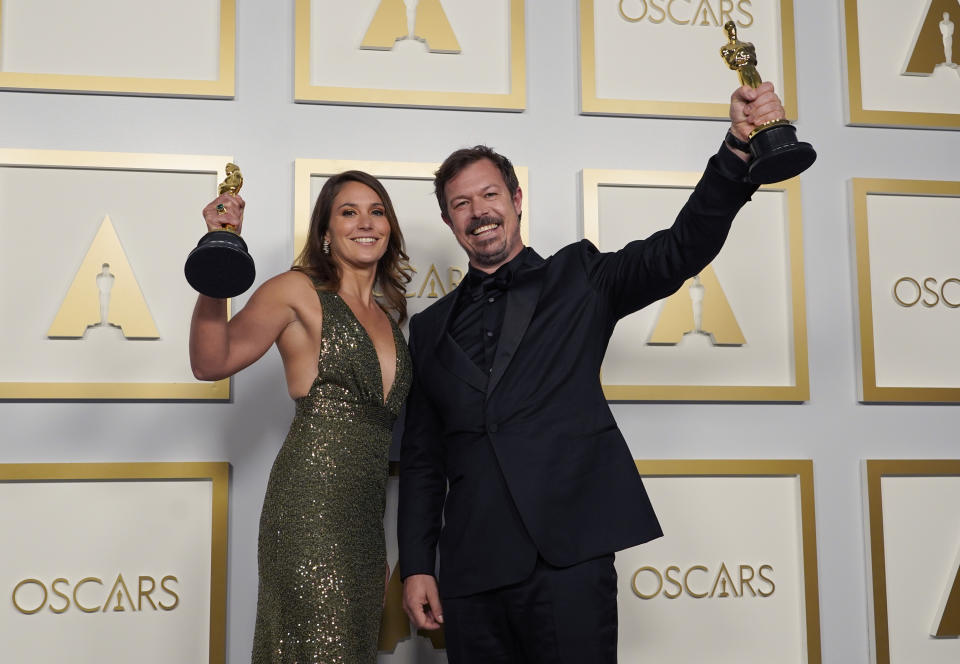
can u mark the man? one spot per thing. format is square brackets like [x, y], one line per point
[511, 459]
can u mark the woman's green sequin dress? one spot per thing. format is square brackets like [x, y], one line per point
[321, 551]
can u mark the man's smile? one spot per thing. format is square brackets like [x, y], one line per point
[483, 225]
[485, 229]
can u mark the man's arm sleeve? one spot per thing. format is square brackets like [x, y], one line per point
[647, 270]
[422, 480]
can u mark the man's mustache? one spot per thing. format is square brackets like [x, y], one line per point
[485, 220]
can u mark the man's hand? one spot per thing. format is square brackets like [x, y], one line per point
[751, 108]
[421, 601]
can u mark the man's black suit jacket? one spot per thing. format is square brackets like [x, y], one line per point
[531, 453]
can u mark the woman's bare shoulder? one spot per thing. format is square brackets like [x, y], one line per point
[290, 286]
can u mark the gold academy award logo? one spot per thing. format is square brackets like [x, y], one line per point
[30, 596]
[700, 582]
[394, 19]
[700, 309]
[713, 13]
[104, 294]
[932, 48]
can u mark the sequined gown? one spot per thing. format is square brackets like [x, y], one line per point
[321, 549]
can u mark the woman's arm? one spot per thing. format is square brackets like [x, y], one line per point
[220, 348]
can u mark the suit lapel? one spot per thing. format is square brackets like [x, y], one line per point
[449, 352]
[522, 300]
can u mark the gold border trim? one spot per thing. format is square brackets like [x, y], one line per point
[802, 469]
[879, 118]
[875, 471]
[219, 475]
[384, 170]
[590, 104]
[870, 392]
[593, 179]
[515, 100]
[218, 390]
[223, 87]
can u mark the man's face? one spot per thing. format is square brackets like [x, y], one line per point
[483, 216]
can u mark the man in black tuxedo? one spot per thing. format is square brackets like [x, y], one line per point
[511, 458]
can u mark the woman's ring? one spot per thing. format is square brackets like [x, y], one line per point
[221, 209]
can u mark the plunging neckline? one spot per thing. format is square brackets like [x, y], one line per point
[385, 396]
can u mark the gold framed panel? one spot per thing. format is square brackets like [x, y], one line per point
[800, 470]
[858, 68]
[513, 100]
[799, 390]
[223, 86]
[875, 471]
[870, 391]
[592, 104]
[47, 161]
[217, 473]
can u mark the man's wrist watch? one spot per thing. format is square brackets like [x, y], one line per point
[736, 143]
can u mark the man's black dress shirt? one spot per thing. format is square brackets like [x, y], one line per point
[478, 314]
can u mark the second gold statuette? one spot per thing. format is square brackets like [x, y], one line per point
[777, 154]
[220, 265]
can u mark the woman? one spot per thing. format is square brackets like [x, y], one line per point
[321, 549]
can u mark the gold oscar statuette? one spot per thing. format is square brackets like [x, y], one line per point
[777, 155]
[220, 266]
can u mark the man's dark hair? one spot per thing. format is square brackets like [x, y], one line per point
[462, 158]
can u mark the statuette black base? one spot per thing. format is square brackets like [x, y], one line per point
[777, 155]
[220, 266]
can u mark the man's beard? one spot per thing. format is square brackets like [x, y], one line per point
[496, 254]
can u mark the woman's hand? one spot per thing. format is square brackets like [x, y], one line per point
[224, 210]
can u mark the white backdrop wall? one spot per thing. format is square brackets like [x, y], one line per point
[266, 131]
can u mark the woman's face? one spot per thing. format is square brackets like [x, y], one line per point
[359, 229]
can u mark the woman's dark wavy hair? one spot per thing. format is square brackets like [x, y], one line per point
[393, 271]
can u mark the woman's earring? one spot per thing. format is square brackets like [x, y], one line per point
[326, 246]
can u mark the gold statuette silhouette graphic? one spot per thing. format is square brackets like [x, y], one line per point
[932, 47]
[947, 623]
[699, 307]
[393, 19]
[104, 292]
